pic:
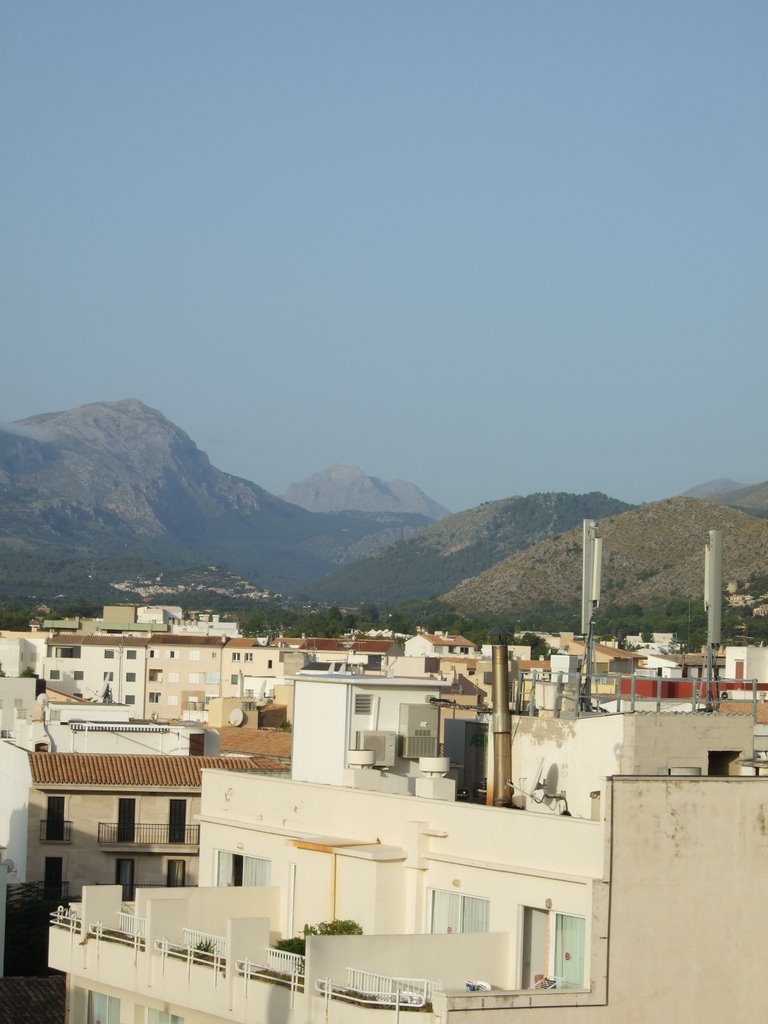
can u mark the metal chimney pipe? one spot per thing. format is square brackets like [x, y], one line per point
[501, 726]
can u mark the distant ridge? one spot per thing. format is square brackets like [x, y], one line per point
[116, 482]
[650, 552]
[461, 546]
[713, 488]
[343, 488]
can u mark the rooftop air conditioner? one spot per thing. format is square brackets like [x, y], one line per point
[381, 743]
[419, 731]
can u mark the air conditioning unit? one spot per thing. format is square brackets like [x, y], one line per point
[422, 743]
[419, 731]
[381, 743]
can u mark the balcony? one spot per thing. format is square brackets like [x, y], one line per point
[55, 830]
[118, 833]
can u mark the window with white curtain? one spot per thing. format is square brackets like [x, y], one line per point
[453, 912]
[235, 869]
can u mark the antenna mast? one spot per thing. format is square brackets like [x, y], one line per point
[713, 602]
[590, 599]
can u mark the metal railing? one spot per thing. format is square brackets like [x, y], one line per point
[130, 924]
[364, 988]
[148, 834]
[281, 968]
[67, 918]
[205, 941]
[56, 830]
[132, 939]
[619, 693]
[191, 957]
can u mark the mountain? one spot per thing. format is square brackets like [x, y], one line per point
[116, 482]
[341, 488]
[712, 489]
[753, 499]
[461, 546]
[649, 552]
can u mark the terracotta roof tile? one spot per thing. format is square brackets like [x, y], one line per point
[256, 741]
[97, 640]
[150, 770]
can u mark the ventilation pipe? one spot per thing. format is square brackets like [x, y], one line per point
[499, 794]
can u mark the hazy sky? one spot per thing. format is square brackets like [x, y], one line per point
[488, 247]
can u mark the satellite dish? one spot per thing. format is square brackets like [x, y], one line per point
[9, 865]
[236, 716]
[41, 699]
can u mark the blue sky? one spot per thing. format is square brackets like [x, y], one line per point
[492, 248]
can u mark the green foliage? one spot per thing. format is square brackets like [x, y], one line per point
[27, 673]
[298, 943]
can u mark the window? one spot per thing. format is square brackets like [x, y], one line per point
[173, 677]
[214, 655]
[173, 654]
[154, 697]
[130, 655]
[194, 655]
[152, 654]
[109, 677]
[67, 652]
[126, 819]
[234, 679]
[79, 676]
[453, 912]
[130, 677]
[54, 873]
[109, 652]
[248, 656]
[269, 663]
[173, 700]
[235, 869]
[103, 1009]
[177, 821]
[554, 964]
[194, 678]
[54, 674]
[162, 1017]
[211, 677]
[155, 675]
[236, 656]
[176, 873]
[124, 876]
[54, 824]
[130, 698]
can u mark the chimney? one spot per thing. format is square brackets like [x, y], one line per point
[498, 793]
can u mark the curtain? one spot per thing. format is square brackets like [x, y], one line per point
[224, 868]
[256, 871]
[474, 916]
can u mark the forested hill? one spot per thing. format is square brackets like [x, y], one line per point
[461, 546]
[652, 552]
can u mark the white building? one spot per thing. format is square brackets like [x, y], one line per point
[614, 911]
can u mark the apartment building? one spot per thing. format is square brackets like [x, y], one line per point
[472, 909]
[125, 819]
[99, 667]
[183, 673]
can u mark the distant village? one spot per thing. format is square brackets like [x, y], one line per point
[279, 828]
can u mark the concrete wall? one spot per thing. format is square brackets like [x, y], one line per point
[15, 780]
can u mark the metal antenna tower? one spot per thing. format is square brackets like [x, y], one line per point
[590, 599]
[713, 602]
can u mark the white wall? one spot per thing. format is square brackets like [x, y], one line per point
[15, 780]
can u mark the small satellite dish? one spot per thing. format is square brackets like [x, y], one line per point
[42, 699]
[9, 865]
[236, 716]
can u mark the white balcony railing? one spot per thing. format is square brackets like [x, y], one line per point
[206, 942]
[67, 918]
[365, 988]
